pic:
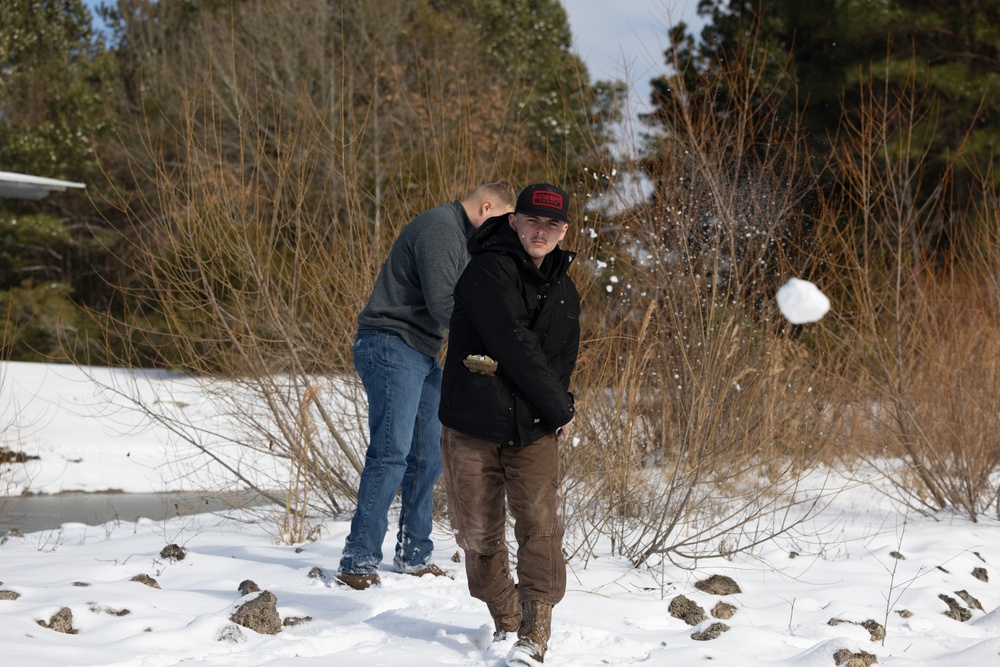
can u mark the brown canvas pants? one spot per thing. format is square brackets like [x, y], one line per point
[482, 479]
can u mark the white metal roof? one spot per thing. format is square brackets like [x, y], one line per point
[23, 186]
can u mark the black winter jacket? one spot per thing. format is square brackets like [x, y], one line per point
[527, 319]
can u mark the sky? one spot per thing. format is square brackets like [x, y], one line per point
[625, 39]
[859, 575]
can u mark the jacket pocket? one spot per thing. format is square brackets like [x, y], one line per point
[479, 405]
[527, 424]
[565, 327]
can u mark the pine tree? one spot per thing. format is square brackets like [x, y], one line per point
[946, 53]
[530, 42]
[55, 80]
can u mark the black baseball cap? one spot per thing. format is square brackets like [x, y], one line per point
[544, 200]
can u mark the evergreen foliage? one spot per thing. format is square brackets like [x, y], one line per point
[530, 41]
[55, 82]
[945, 54]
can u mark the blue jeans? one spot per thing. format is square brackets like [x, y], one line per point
[404, 390]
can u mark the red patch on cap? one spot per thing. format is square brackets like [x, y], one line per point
[547, 199]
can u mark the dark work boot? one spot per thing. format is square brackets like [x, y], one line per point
[506, 613]
[358, 582]
[532, 635]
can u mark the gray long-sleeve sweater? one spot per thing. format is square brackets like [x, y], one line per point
[413, 294]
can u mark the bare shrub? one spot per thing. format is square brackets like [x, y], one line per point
[918, 328]
[703, 412]
[275, 158]
[11, 424]
[247, 289]
[6, 427]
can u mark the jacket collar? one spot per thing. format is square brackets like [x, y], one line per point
[495, 235]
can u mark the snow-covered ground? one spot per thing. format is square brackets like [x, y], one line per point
[840, 565]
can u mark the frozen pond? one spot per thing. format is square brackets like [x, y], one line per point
[49, 512]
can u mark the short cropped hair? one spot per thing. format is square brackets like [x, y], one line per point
[502, 193]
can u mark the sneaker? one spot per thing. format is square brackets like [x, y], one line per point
[358, 582]
[427, 569]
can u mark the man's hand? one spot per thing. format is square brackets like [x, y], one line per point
[563, 432]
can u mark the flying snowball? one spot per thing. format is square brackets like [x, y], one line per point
[801, 302]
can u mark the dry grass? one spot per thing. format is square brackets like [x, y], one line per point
[701, 411]
[8, 424]
[917, 325]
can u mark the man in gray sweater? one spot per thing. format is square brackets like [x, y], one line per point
[400, 334]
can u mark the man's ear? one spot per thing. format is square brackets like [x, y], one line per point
[511, 219]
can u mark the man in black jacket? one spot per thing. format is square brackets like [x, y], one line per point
[505, 405]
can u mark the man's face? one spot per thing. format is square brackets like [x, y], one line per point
[539, 236]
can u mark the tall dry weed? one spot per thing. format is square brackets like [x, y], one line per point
[701, 411]
[916, 331]
[8, 424]
[275, 159]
